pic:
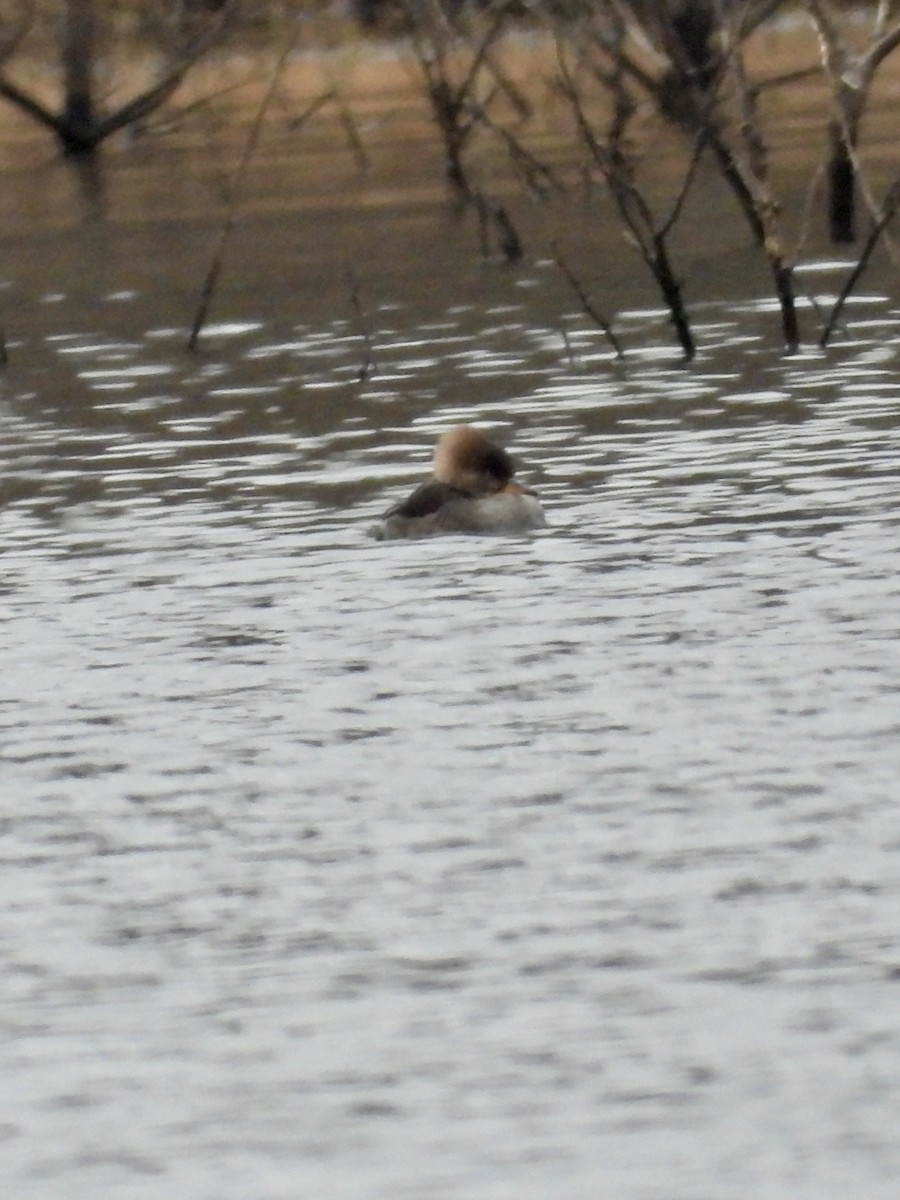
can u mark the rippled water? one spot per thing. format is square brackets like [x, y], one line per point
[562, 866]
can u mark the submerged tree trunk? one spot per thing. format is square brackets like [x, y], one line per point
[841, 191]
[843, 137]
[851, 73]
[77, 130]
[77, 125]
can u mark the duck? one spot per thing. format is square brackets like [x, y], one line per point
[472, 490]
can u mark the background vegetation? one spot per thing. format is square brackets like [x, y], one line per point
[612, 65]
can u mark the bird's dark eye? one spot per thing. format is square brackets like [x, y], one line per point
[498, 464]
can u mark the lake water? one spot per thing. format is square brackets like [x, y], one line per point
[467, 868]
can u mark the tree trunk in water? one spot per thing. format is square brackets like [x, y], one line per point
[841, 190]
[784, 288]
[77, 130]
[843, 139]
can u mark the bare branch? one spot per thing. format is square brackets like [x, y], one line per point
[700, 143]
[889, 209]
[368, 362]
[879, 52]
[753, 17]
[12, 92]
[215, 266]
[764, 85]
[160, 91]
[532, 168]
[832, 50]
[587, 305]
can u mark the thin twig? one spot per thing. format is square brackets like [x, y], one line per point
[531, 167]
[368, 362]
[763, 85]
[889, 208]
[351, 132]
[495, 215]
[567, 345]
[215, 266]
[696, 155]
[523, 106]
[587, 305]
[311, 109]
[202, 105]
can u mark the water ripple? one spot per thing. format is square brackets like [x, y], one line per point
[421, 853]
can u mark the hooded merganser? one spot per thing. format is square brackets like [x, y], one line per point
[472, 491]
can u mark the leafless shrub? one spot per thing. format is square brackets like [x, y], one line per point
[648, 233]
[452, 45]
[851, 74]
[694, 72]
[77, 124]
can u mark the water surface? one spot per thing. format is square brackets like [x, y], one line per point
[468, 868]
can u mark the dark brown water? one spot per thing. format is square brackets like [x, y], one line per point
[556, 867]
